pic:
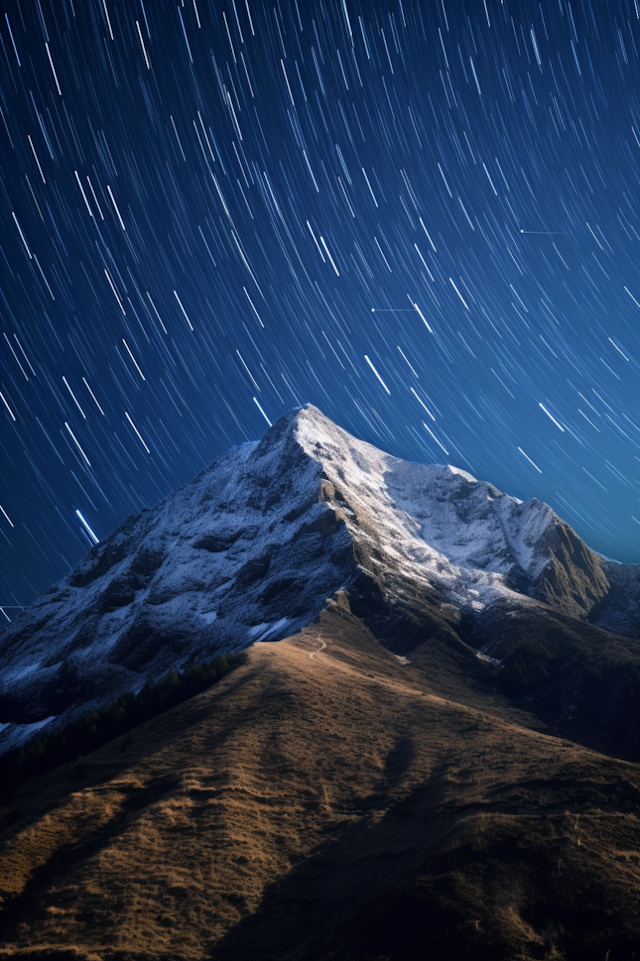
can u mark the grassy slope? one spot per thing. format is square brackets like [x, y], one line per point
[325, 800]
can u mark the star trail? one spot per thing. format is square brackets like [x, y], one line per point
[422, 217]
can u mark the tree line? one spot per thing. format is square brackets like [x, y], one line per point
[86, 734]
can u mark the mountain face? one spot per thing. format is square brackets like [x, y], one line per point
[252, 549]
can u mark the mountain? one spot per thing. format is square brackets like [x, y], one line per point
[437, 758]
[253, 547]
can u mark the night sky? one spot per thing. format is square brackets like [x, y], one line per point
[420, 215]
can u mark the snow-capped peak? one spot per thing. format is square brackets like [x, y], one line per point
[252, 548]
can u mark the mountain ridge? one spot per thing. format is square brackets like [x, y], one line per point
[251, 549]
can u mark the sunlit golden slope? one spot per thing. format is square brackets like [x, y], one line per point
[326, 800]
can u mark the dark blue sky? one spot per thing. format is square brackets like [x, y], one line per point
[420, 216]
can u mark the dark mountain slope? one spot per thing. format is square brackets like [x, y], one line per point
[325, 801]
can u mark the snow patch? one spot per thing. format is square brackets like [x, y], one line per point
[462, 473]
[35, 725]
[485, 657]
[275, 627]
[262, 631]
[18, 673]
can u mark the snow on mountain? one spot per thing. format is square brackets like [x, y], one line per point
[440, 525]
[253, 547]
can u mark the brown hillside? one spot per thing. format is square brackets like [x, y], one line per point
[327, 801]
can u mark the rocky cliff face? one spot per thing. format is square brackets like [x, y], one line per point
[573, 578]
[253, 547]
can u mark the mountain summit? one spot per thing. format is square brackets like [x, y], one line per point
[254, 546]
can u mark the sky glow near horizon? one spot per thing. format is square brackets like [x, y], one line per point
[215, 212]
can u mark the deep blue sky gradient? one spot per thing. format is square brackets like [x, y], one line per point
[210, 205]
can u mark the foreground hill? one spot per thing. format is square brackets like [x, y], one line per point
[326, 800]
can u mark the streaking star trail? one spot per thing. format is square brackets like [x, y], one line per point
[213, 213]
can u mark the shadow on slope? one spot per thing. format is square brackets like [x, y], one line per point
[579, 679]
[427, 882]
